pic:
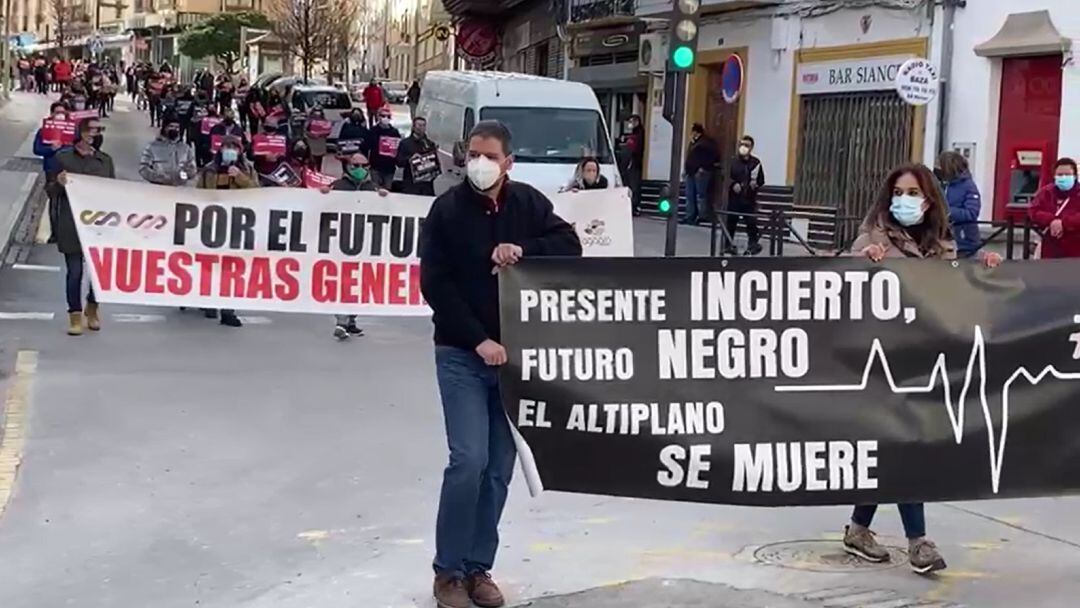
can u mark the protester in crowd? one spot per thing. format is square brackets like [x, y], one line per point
[155, 87]
[374, 99]
[511, 220]
[700, 167]
[1056, 211]
[130, 83]
[165, 67]
[228, 170]
[41, 76]
[412, 97]
[62, 73]
[418, 157]
[203, 152]
[964, 201]
[26, 74]
[168, 161]
[316, 139]
[747, 178]
[243, 104]
[587, 176]
[632, 159]
[83, 158]
[354, 129]
[910, 219]
[224, 93]
[356, 178]
[385, 138]
[49, 163]
[227, 126]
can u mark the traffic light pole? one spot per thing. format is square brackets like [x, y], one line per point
[678, 126]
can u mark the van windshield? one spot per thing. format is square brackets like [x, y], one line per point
[553, 135]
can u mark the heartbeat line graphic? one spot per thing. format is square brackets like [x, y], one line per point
[939, 375]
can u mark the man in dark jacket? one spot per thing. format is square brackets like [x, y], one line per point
[412, 97]
[700, 166]
[84, 158]
[478, 227]
[353, 137]
[385, 139]
[747, 178]
[418, 157]
[356, 178]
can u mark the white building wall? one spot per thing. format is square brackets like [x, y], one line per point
[976, 89]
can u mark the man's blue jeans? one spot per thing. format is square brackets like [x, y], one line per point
[697, 196]
[74, 281]
[482, 452]
[912, 515]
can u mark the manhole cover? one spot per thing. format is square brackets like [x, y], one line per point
[822, 556]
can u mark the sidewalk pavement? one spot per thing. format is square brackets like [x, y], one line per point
[21, 180]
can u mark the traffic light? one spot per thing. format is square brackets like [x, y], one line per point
[685, 18]
[664, 204]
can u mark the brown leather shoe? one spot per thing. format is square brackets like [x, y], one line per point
[450, 592]
[483, 591]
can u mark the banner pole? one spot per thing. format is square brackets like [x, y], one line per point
[678, 128]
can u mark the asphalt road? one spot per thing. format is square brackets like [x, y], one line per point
[170, 462]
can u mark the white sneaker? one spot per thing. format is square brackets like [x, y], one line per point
[341, 333]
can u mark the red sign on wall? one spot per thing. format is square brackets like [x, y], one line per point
[477, 39]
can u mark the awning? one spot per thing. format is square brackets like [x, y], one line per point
[1025, 34]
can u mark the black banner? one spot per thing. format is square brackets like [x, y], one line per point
[795, 381]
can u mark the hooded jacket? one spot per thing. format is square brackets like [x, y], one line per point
[964, 206]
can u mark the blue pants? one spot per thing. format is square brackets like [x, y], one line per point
[482, 452]
[697, 196]
[913, 516]
[74, 281]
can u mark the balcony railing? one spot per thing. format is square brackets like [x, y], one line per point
[592, 10]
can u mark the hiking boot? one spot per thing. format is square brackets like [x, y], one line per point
[924, 557]
[93, 320]
[341, 333]
[483, 591]
[860, 542]
[229, 319]
[450, 592]
[354, 330]
[75, 326]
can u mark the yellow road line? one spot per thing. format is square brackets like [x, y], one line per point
[15, 412]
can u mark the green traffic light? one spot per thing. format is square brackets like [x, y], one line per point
[664, 206]
[683, 57]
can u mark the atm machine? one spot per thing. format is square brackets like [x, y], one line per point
[1030, 168]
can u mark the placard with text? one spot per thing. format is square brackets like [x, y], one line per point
[794, 381]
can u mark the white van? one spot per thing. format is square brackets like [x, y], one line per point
[554, 123]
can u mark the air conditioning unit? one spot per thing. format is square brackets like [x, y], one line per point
[652, 52]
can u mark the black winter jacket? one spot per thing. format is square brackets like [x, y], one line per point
[460, 233]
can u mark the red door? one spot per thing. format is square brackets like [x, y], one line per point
[1030, 121]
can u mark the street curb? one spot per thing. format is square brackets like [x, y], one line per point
[9, 224]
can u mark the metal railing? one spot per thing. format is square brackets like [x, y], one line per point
[591, 10]
[1019, 238]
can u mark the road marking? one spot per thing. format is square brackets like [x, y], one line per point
[15, 411]
[36, 267]
[28, 183]
[27, 316]
[123, 317]
[256, 320]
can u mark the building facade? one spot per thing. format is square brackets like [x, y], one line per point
[819, 94]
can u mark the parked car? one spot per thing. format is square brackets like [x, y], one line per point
[396, 90]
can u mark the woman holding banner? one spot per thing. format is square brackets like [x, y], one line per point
[1056, 211]
[229, 170]
[910, 219]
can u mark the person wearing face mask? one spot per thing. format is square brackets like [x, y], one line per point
[83, 158]
[1055, 210]
[472, 231]
[747, 178]
[227, 126]
[168, 161]
[385, 139]
[47, 152]
[203, 152]
[909, 219]
[356, 178]
[587, 176]
[418, 158]
[228, 170]
[354, 129]
[700, 167]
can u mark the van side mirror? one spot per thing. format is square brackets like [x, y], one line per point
[461, 150]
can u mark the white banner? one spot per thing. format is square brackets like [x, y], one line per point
[282, 249]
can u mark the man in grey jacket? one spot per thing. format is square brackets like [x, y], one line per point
[168, 161]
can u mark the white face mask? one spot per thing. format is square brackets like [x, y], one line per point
[483, 173]
[744, 150]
